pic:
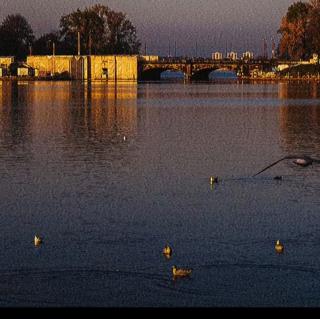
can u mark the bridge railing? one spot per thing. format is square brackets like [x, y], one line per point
[225, 61]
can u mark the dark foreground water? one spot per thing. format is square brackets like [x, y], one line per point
[109, 174]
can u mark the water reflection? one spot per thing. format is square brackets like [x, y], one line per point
[300, 117]
[99, 112]
[115, 202]
[80, 113]
[15, 113]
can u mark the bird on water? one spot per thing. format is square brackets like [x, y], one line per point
[279, 247]
[37, 240]
[167, 251]
[214, 180]
[299, 160]
[180, 272]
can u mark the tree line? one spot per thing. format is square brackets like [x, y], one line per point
[102, 31]
[299, 30]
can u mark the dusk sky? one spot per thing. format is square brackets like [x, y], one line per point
[212, 24]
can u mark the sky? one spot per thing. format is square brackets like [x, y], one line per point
[181, 27]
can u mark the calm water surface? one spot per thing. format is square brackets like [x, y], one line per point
[106, 205]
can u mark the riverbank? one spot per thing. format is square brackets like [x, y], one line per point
[239, 78]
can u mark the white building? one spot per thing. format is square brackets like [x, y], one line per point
[233, 55]
[247, 55]
[217, 56]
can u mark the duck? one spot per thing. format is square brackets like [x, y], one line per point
[279, 247]
[213, 180]
[37, 240]
[303, 161]
[167, 251]
[278, 178]
[180, 272]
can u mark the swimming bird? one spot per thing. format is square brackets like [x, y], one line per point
[213, 180]
[279, 247]
[180, 272]
[167, 251]
[37, 240]
[299, 160]
[278, 178]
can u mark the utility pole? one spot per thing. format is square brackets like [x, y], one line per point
[265, 49]
[53, 53]
[90, 43]
[273, 49]
[196, 48]
[78, 43]
[226, 49]
[145, 48]
[169, 49]
[175, 48]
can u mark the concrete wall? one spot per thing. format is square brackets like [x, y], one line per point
[96, 67]
[114, 67]
[5, 61]
[70, 65]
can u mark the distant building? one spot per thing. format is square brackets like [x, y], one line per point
[20, 69]
[217, 56]
[282, 67]
[247, 55]
[233, 55]
[314, 59]
[149, 58]
[5, 62]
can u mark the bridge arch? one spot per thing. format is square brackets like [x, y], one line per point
[154, 72]
[203, 73]
[223, 73]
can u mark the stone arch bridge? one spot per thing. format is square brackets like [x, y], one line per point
[198, 69]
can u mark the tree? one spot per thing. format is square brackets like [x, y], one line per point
[313, 35]
[16, 35]
[45, 43]
[122, 37]
[102, 31]
[90, 26]
[293, 29]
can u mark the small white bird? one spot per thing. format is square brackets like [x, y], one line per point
[37, 240]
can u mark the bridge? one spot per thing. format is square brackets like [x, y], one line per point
[200, 68]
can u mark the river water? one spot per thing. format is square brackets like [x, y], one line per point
[109, 174]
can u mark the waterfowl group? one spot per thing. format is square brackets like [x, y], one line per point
[176, 272]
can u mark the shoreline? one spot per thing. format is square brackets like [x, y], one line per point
[245, 79]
